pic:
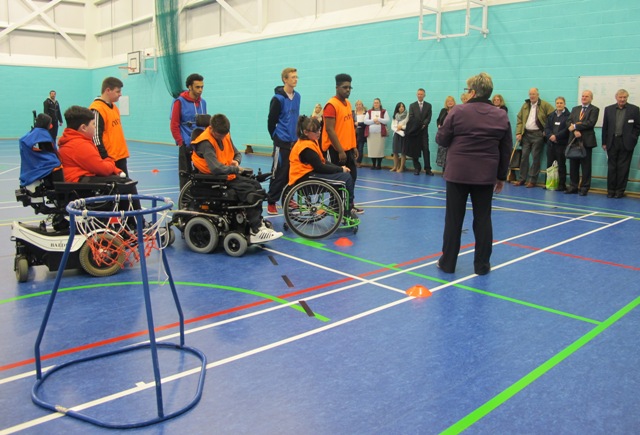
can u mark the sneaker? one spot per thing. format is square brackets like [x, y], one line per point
[264, 235]
[357, 210]
[272, 209]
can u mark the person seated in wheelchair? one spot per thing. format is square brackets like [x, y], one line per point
[307, 159]
[214, 153]
[81, 159]
[38, 154]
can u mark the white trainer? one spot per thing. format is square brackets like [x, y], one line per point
[264, 235]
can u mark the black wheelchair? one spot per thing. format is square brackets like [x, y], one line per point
[210, 212]
[315, 208]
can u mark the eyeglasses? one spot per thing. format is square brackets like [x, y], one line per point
[467, 90]
[313, 132]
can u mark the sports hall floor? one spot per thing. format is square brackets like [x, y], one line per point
[547, 343]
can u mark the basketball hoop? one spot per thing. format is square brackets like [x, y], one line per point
[126, 71]
[113, 238]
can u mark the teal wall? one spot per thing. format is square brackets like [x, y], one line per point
[546, 44]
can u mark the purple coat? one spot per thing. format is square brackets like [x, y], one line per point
[478, 136]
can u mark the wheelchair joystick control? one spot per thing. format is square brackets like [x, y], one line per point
[123, 175]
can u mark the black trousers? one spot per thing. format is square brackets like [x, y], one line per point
[279, 173]
[351, 162]
[423, 139]
[184, 164]
[481, 196]
[618, 164]
[575, 166]
[555, 152]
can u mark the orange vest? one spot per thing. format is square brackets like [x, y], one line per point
[112, 135]
[345, 129]
[297, 169]
[224, 156]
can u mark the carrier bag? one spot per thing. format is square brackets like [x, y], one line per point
[552, 177]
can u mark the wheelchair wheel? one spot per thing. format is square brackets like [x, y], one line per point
[167, 237]
[313, 209]
[185, 198]
[235, 244]
[111, 255]
[22, 269]
[201, 235]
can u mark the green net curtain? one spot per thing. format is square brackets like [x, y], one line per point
[167, 28]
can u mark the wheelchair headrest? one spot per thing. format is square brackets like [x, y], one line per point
[203, 120]
[42, 121]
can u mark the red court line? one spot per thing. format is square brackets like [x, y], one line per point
[578, 257]
[208, 316]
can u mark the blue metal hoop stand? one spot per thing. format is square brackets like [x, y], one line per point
[78, 208]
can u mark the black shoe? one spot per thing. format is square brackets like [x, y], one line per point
[570, 191]
[416, 172]
[619, 195]
[429, 173]
[561, 188]
[582, 192]
[440, 267]
[610, 195]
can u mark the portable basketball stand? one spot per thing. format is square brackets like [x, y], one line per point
[78, 209]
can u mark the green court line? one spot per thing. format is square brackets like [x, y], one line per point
[532, 376]
[441, 281]
[186, 283]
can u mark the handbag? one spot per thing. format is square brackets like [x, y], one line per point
[575, 150]
[516, 156]
[441, 156]
[553, 179]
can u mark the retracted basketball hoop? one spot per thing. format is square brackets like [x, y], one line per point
[116, 236]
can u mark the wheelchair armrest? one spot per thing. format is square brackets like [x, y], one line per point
[209, 177]
[263, 176]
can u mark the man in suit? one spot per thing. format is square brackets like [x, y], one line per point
[417, 132]
[620, 130]
[581, 122]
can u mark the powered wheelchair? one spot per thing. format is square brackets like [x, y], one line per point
[315, 208]
[42, 188]
[210, 212]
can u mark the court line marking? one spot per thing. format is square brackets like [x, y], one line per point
[456, 428]
[536, 373]
[302, 335]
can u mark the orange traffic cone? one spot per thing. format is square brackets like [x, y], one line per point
[419, 291]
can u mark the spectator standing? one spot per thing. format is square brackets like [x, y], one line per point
[376, 131]
[449, 103]
[581, 123]
[184, 110]
[478, 136]
[532, 119]
[417, 134]
[284, 110]
[52, 108]
[400, 118]
[557, 134]
[620, 130]
[498, 101]
[359, 114]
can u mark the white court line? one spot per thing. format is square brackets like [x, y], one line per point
[143, 386]
[10, 170]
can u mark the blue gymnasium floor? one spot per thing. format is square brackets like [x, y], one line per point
[545, 343]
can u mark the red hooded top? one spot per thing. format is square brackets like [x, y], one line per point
[80, 157]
